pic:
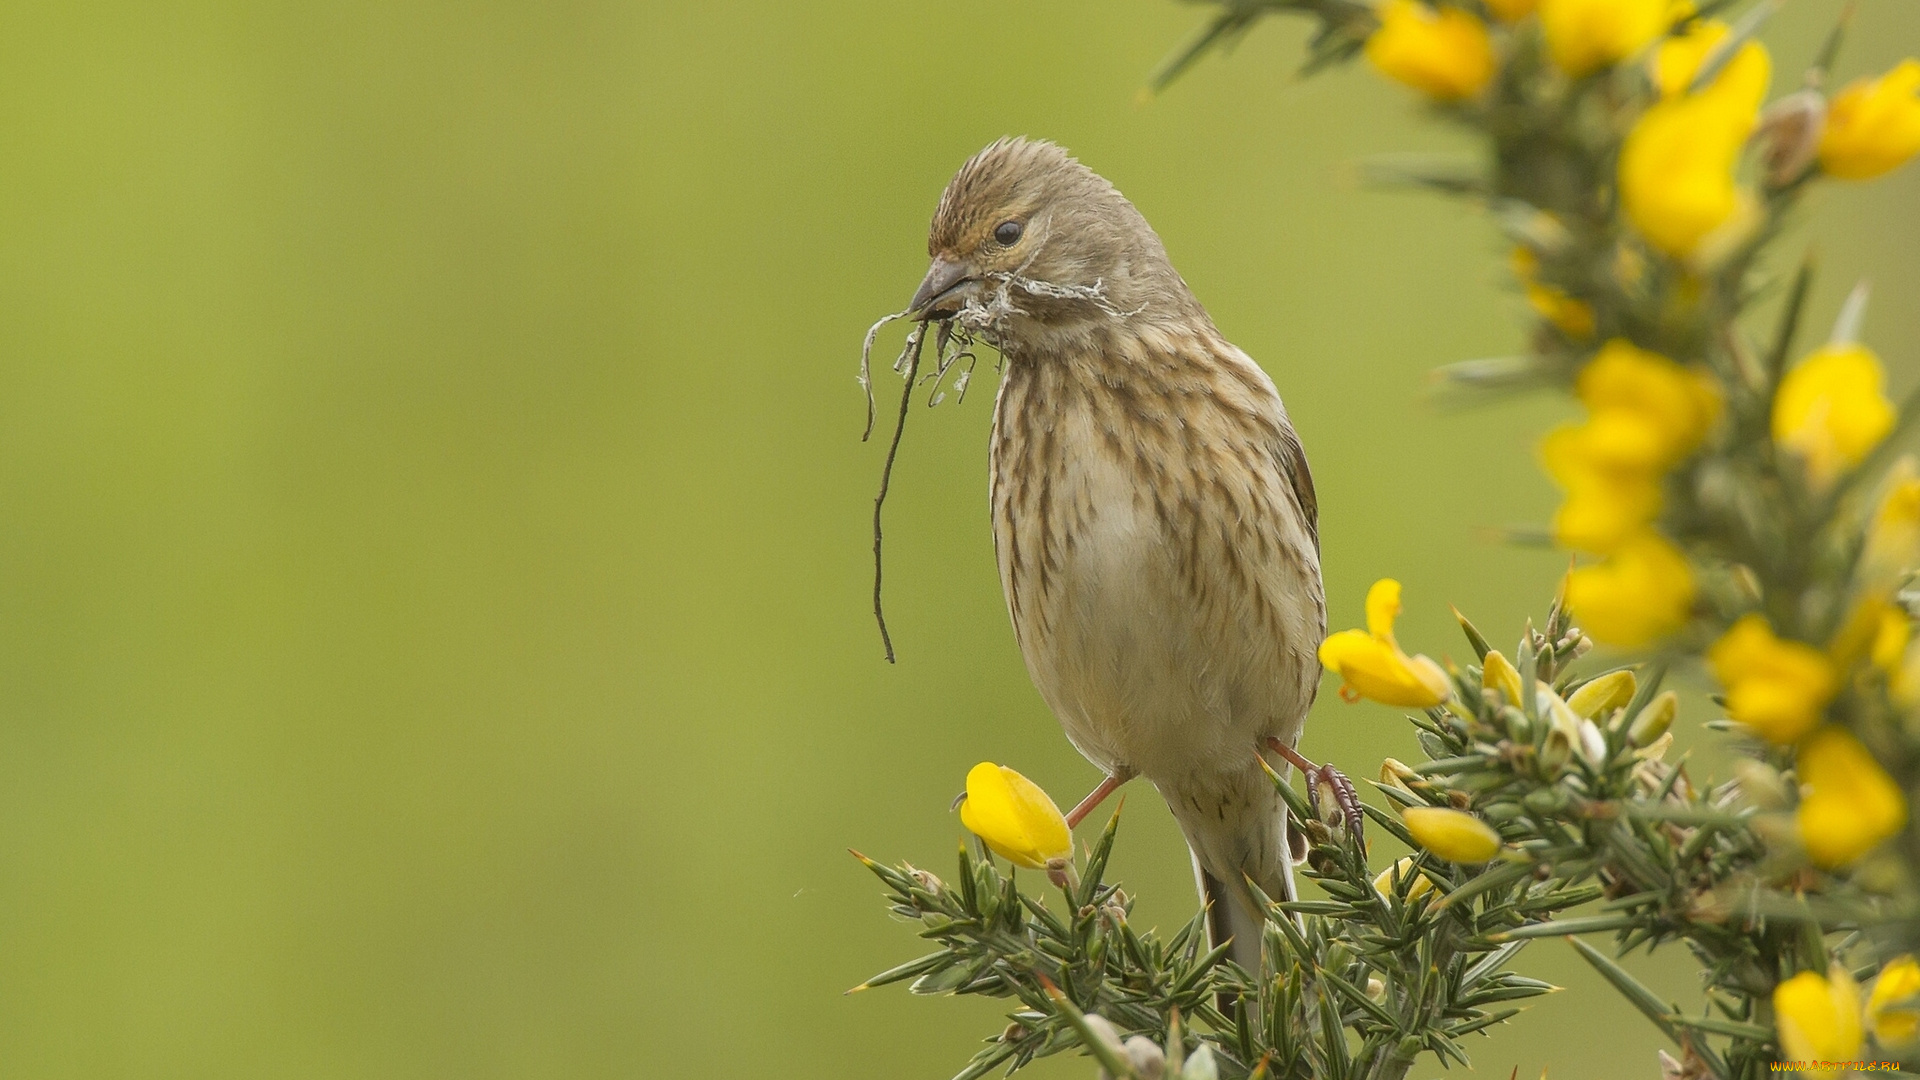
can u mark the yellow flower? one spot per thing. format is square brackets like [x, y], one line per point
[1498, 673]
[1818, 1017]
[1677, 61]
[1890, 640]
[1584, 36]
[1602, 512]
[1639, 594]
[1677, 164]
[1370, 663]
[1893, 538]
[1893, 1009]
[1617, 441]
[1776, 687]
[1442, 52]
[1848, 803]
[1605, 468]
[1903, 682]
[1832, 411]
[1676, 405]
[1857, 635]
[1014, 817]
[1873, 125]
[1875, 630]
[1598, 697]
[1418, 885]
[1454, 835]
[1646, 414]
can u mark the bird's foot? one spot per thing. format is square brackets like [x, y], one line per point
[1097, 796]
[1329, 792]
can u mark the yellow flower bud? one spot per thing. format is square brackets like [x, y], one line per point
[1014, 817]
[1442, 52]
[1584, 36]
[1774, 686]
[1398, 773]
[1873, 125]
[1818, 1017]
[1371, 665]
[1640, 593]
[1598, 697]
[1677, 164]
[1893, 1009]
[1418, 884]
[1831, 410]
[1654, 720]
[1573, 316]
[1849, 804]
[1498, 673]
[1454, 835]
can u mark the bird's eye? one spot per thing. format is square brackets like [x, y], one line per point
[1007, 233]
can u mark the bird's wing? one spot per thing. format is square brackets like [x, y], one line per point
[1293, 465]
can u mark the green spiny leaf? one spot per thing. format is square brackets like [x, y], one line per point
[1631, 988]
[1591, 924]
[1474, 637]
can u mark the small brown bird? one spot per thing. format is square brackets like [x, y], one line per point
[1153, 517]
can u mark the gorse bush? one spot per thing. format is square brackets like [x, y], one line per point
[1738, 505]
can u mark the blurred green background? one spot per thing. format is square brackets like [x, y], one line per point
[434, 559]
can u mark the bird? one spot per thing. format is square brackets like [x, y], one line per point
[1155, 523]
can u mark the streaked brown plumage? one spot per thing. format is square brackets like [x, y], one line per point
[1153, 515]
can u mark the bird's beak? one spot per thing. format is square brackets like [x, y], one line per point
[944, 279]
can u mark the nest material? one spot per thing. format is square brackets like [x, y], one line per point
[954, 340]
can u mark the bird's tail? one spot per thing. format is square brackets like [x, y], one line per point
[1234, 915]
[1246, 840]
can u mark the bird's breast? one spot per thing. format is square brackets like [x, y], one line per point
[1163, 589]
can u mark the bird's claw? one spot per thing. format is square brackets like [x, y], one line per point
[1328, 789]
[1330, 794]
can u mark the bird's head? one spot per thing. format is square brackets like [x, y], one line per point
[1027, 240]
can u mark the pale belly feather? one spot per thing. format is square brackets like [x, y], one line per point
[1145, 675]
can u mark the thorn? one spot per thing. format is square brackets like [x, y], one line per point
[1846, 327]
